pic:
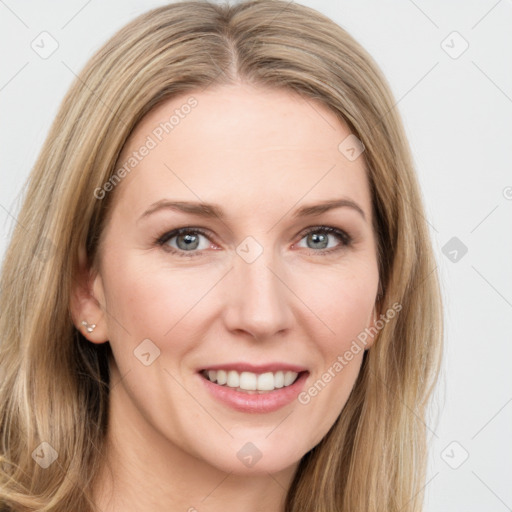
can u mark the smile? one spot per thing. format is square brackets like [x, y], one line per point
[251, 382]
[253, 388]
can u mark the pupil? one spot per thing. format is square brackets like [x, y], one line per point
[319, 241]
[190, 242]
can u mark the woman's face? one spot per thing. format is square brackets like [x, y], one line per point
[267, 284]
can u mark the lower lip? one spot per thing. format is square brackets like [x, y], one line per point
[256, 403]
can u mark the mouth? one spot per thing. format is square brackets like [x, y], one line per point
[254, 389]
[251, 382]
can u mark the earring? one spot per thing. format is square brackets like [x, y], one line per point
[88, 327]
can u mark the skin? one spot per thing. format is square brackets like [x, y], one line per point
[259, 154]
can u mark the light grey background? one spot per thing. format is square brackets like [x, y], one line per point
[457, 111]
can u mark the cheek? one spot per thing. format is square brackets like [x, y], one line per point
[148, 301]
[342, 300]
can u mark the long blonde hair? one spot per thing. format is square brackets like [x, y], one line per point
[54, 384]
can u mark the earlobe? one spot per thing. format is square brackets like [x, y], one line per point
[87, 304]
[88, 327]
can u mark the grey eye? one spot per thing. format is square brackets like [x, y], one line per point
[187, 242]
[317, 240]
[322, 238]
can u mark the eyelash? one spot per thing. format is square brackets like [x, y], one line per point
[345, 239]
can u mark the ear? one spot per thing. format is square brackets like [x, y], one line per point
[87, 302]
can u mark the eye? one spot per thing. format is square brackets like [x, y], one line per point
[324, 239]
[190, 241]
[184, 240]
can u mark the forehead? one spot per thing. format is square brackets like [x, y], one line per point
[240, 146]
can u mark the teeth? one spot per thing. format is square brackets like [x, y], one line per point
[266, 382]
[289, 377]
[222, 377]
[233, 379]
[249, 381]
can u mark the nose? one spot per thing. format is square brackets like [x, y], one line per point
[257, 298]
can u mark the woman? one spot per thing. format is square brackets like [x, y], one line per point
[220, 293]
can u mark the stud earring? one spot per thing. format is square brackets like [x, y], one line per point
[88, 327]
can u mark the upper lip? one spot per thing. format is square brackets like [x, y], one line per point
[256, 368]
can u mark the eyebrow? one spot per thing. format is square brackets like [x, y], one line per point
[207, 210]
